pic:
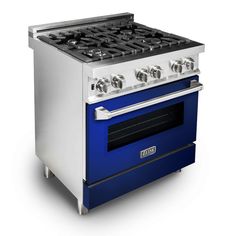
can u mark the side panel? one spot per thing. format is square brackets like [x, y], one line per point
[115, 186]
[102, 163]
[59, 114]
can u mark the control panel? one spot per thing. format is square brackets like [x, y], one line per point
[128, 78]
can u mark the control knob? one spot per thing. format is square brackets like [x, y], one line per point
[177, 66]
[117, 81]
[183, 65]
[103, 85]
[189, 63]
[156, 72]
[142, 75]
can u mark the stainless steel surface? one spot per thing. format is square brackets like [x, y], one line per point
[47, 173]
[36, 30]
[82, 209]
[60, 116]
[102, 113]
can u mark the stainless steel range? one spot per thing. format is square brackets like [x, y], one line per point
[115, 104]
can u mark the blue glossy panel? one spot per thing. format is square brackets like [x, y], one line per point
[101, 163]
[97, 194]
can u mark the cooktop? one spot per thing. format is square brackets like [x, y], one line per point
[108, 41]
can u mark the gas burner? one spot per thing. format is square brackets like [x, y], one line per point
[72, 42]
[96, 52]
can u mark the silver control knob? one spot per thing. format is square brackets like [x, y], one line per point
[142, 75]
[183, 65]
[177, 66]
[117, 81]
[103, 85]
[156, 72]
[189, 63]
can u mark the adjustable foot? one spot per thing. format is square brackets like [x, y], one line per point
[82, 209]
[47, 173]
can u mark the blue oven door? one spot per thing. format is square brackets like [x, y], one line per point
[128, 130]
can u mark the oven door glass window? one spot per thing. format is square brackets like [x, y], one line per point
[144, 126]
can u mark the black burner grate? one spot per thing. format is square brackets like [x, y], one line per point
[110, 41]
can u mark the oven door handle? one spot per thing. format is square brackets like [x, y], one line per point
[102, 113]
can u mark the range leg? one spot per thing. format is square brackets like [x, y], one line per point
[82, 209]
[47, 173]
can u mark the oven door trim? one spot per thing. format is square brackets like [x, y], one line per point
[102, 113]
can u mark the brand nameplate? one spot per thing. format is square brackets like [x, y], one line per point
[148, 152]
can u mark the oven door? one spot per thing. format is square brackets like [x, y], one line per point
[131, 129]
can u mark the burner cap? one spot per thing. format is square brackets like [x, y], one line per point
[96, 52]
[72, 42]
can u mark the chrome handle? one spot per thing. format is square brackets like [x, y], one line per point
[102, 113]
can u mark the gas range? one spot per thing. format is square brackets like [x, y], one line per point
[113, 100]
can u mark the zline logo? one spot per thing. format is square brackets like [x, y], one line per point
[148, 152]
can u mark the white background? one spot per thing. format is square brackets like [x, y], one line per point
[199, 201]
